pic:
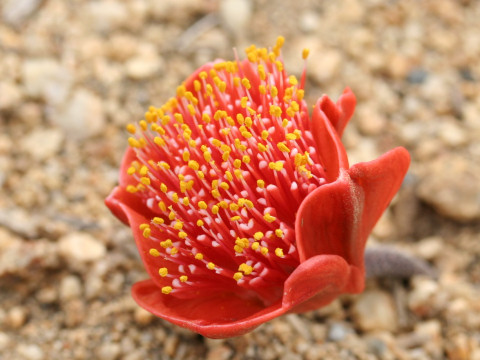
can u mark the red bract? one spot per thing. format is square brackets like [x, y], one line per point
[244, 208]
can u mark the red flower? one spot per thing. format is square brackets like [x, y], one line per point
[242, 207]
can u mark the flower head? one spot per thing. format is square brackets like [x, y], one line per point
[243, 207]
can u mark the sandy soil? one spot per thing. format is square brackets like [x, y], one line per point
[74, 73]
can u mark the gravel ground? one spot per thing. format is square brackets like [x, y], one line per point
[73, 73]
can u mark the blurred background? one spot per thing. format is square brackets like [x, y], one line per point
[74, 73]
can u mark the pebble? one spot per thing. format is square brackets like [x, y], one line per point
[143, 317]
[47, 80]
[420, 299]
[70, 288]
[81, 247]
[15, 12]
[431, 247]
[338, 331]
[374, 310]
[30, 352]
[328, 64]
[4, 340]
[106, 15]
[82, 117]
[143, 67]
[109, 351]
[369, 121]
[309, 21]
[221, 352]
[42, 144]
[235, 15]
[11, 95]
[16, 317]
[456, 197]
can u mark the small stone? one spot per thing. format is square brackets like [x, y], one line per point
[369, 121]
[327, 65]
[170, 345]
[4, 340]
[309, 21]
[141, 68]
[420, 299]
[429, 248]
[451, 185]
[83, 115]
[106, 15]
[42, 144]
[374, 310]
[81, 247]
[47, 295]
[47, 79]
[452, 134]
[235, 15]
[30, 352]
[417, 76]
[16, 317]
[338, 331]
[11, 95]
[222, 352]
[143, 317]
[17, 11]
[109, 351]
[70, 288]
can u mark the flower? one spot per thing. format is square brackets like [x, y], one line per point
[244, 208]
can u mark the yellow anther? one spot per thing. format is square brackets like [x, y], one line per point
[225, 155]
[131, 170]
[279, 252]
[181, 89]
[162, 205]
[140, 187]
[264, 250]
[158, 220]
[305, 53]
[290, 136]
[236, 81]
[269, 218]
[200, 222]
[173, 251]
[215, 209]
[237, 276]
[216, 142]
[183, 278]
[186, 155]
[131, 129]
[246, 134]
[246, 159]
[185, 201]
[237, 163]
[238, 249]
[145, 180]
[261, 183]
[200, 174]
[143, 125]
[240, 119]
[166, 244]
[279, 233]
[261, 72]
[192, 164]
[133, 142]
[262, 89]
[264, 134]
[279, 65]
[283, 147]
[228, 175]
[224, 186]
[249, 204]
[261, 147]
[182, 235]
[292, 80]
[143, 170]
[147, 232]
[143, 226]
[258, 235]
[255, 245]
[273, 91]
[238, 173]
[178, 225]
[246, 269]
[178, 118]
[210, 266]
[197, 85]
[159, 141]
[300, 94]
[235, 218]
[199, 256]
[234, 207]
[163, 271]
[215, 193]
[166, 290]
[248, 122]
[175, 197]
[243, 242]
[154, 252]
[163, 188]
[243, 102]
[277, 165]
[285, 123]
[246, 83]
[275, 110]
[223, 204]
